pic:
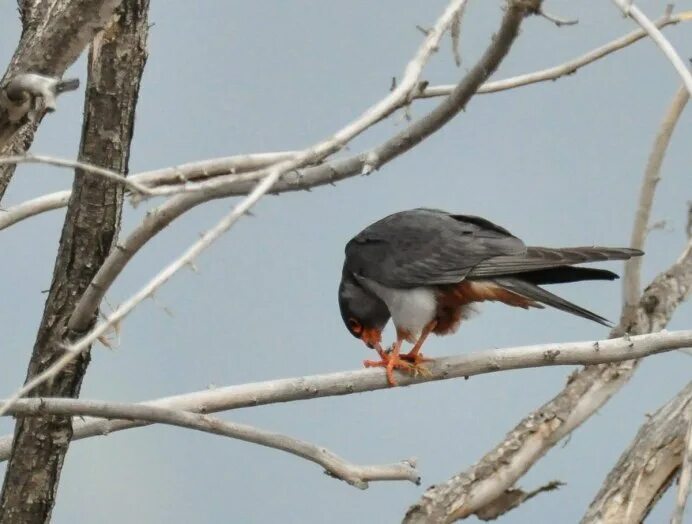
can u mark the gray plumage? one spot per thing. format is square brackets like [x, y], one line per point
[432, 248]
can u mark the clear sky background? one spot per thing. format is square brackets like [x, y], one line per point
[559, 164]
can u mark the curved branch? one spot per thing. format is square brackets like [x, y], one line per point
[631, 10]
[335, 466]
[349, 382]
[652, 174]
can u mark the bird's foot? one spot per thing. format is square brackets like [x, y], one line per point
[411, 363]
[416, 360]
[390, 362]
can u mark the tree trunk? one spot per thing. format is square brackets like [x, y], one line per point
[116, 62]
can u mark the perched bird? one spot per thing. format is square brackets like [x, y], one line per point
[424, 268]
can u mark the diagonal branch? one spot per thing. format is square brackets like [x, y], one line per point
[335, 466]
[445, 368]
[647, 467]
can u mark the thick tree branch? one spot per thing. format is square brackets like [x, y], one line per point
[349, 382]
[330, 174]
[116, 61]
[335, 466]
[647, 467]
[469, 492]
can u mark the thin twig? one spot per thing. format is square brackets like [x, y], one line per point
[444, 368]
[685, 477]
[27, 158]
[558, 21]
[631, 10]
[335, 466]
[631, 280]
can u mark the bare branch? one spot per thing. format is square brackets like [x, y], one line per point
[567, 68]
[133, 185]
[631, 10]
[631, 277]
[444, 368]
[647, 467]
[585, 392]
[335, 466]
[327, 173]
[685, 478]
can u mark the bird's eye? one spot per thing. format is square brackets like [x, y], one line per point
[355, 326]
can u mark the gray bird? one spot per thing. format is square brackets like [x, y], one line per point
[424, 268]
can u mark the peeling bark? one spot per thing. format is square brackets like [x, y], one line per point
[647, 467]
[116, 62]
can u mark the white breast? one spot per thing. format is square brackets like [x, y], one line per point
[411, 309]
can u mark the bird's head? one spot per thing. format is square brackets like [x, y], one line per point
[364, 314]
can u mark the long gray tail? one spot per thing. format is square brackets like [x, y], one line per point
[541, 258]
[533, 292]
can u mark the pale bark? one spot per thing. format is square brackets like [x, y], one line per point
[647, 467]
[351, 382]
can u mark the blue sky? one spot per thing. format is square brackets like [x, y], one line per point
[558, 164]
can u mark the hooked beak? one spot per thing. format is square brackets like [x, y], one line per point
[372, 338]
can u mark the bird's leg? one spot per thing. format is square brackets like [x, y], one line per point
[414, 356]
[390, 361]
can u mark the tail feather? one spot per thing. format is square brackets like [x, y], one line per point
[536, 258]
[533, 292]
[565, 274]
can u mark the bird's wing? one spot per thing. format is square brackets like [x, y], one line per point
[537, 258]
[426, 247]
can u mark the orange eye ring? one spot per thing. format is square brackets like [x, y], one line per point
[355, 326]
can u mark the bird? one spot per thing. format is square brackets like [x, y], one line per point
[426, 268]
